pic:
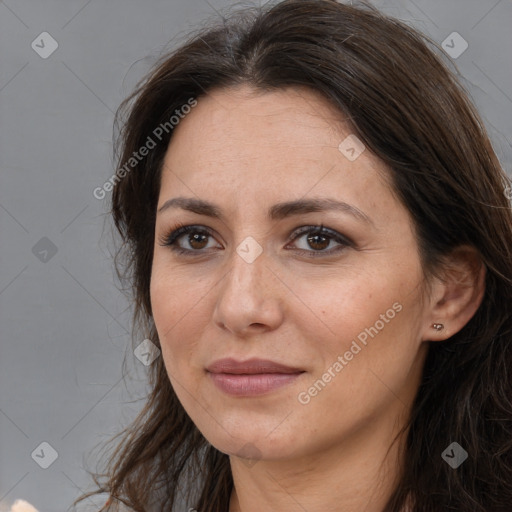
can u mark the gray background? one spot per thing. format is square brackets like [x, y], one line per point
[65, 326]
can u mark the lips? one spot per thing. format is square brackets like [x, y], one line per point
[250, 367]
[252, 377]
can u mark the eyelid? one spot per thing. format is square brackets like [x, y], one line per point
[178, 230]
[320, 229]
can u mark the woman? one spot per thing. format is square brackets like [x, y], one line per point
[319, 243]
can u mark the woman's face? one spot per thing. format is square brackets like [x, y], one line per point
[342, 311]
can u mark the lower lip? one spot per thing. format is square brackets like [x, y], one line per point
[251, 385]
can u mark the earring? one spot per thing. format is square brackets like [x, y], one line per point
[438, 327]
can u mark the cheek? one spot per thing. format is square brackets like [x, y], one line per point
[176, 306]
[359, 328]
[362, 372]
[179, 317]
[338, 307]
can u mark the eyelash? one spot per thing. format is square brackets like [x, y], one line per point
[170, 239]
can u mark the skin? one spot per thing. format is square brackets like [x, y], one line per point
[246, 151]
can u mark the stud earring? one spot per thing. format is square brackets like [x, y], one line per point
[438, 327]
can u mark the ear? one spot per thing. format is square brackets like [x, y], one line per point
[456, 294]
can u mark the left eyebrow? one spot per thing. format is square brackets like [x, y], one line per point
[278, 211]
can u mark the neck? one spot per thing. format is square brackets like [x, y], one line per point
[358, 474]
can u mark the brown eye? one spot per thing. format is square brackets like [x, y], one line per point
[197, 239]
[319, 239]
[318, 242]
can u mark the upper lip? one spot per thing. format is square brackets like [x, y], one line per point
[251, 367]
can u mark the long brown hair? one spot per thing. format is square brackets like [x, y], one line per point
[408, 108]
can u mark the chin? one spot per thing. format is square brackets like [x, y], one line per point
[253, 440]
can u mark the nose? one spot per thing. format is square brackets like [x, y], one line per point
[249, 297]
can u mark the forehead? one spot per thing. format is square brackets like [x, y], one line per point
[241, 118]
[278, 145]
